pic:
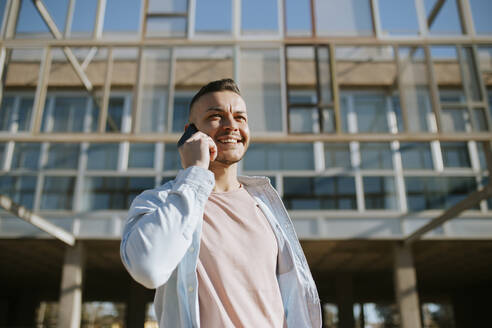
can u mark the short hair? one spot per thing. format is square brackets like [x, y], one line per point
[215, 86]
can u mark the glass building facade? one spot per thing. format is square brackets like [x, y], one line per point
[370, 117]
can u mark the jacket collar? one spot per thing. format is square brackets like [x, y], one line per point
[253, 181]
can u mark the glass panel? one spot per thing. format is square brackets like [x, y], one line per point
[181, 105]
[113, 192]
[141, 155]
[337, 155]
[84, 18]
[155, 84]
[260, 88]
[301, 75]
[304, 120]
[221, 10]
[122, 19]
[376, 155]
[438, 315]
[366, 66]
[319, 193]
[67, 115]
[26, 156]
[6, 112]
[172, 161]
[102, 156]
[415, 88]
[330, 315]
[480, 119]
[425, 193]
[298, 17]
[445, 20]
[481, 19]
[352, 17]
[63, 156]
[447, 73]
[416, 156]
[20, 189]
[324, 74]
[259, 17]
[166, 27]
[370, 110]
[455, 154]
[116, 107]
[380, 193]
[398, 17]
[58, 193]
[298, 156]
[471, 74]
[454, 120]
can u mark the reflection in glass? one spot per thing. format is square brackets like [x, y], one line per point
[337, 155]
[319, 193]
[26, 155]
[415, 88]
[455, 154]
[101, 156]
[260, 88]
[424, 193]
[141, 155]
[113, 192]
[298, 17]
[259, 21]
[351, 17]
[303, 120]
[20, 189]
[296, 156]
[57, 193]
[416, 156]
[63, 156]
[442, 17]
[380, 193]
[376, 155]
[155, 83]
[398, 17]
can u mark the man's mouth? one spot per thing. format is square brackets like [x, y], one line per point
[229, 139]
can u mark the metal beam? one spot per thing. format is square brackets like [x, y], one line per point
[473, 199]
[36, 220]
[58, 35]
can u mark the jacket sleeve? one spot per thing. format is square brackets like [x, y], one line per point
[160, 226]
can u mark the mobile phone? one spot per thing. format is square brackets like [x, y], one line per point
[190, 130]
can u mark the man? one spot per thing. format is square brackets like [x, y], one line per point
[220, 249]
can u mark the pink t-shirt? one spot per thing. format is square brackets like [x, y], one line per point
[237, 284]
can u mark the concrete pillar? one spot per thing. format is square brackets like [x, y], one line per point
[345, 301]
[70, 309]
[136, 303]
[405, 282]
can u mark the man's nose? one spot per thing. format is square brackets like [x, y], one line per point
[229, 122]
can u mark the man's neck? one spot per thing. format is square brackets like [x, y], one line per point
[225, 177]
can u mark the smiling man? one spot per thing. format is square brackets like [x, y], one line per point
[220, 249]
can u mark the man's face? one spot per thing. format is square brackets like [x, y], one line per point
[222, 115]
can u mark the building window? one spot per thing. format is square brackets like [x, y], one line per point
[333, 193]
[269, 157]
[337, 155]
[57, 193]
[115, 193]
[15, 113]
[260, 87]
[63, 156]
[167, 18]
[425, 193]
[20, 189]
[455, 154]
[26, 156]
[416, 156]
[351, 18]
[101, 156]
[181, 109]
[380, 193]
[259, 17]
[376, 155]
[141, 155]
[172, 161]
[122, 19]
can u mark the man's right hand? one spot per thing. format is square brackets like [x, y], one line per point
[198, 150]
